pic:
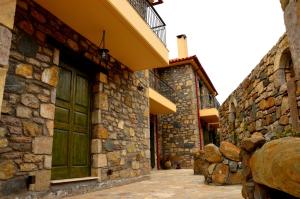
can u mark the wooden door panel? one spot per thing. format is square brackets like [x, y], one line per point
[63, 90]
[80, 149]
[82, 94]
[81, 120]
[60, 154]
[62, 114]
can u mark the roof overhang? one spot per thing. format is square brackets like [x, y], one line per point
[194, 61]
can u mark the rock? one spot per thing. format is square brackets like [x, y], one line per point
[220, 174]
[211, 168]
[32, 128]
[7, 169]
[136, 165]
[233, 166]
[168, 164]
[250, 144]
[277, 165]
[27, 167]
[50, 76]
[30, 100]
[47, 111]
[101, 101]
[200, 164]
[24, 70]
[3, 142]
[100, 132]
[99, 160]
[230, 151]
[23, 112]
[235, 178]
[284, 120]
[212, 153]
[42, 145]
[32, 158]
[114, 157]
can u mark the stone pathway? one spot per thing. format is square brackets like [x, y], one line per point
[168, 184]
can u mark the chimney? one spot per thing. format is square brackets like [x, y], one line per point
[182, 46]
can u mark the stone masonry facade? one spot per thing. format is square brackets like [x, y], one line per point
[267, 101]
[178, 132]
[120, 113]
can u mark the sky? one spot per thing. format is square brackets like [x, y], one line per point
[229, 37]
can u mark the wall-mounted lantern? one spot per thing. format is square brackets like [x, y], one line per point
[103, 52]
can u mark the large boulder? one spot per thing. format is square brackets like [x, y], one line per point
[277, 165]
[212, 153]
[230, 151]
[200, 164]
[220, 174]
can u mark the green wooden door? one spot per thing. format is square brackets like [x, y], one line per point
[71, 141]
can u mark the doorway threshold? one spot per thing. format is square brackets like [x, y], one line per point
[73, 180]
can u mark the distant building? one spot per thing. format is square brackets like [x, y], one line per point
[195, 122]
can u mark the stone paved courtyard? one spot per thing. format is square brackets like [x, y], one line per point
[168, 184]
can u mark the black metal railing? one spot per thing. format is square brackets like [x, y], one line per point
[151, 17]
[161, 86]
[209, 101]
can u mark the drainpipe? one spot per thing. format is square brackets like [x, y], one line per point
[157, 143]
[198, 113]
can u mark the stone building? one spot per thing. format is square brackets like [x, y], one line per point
[267, 101]
[74, 119]
[195, 121]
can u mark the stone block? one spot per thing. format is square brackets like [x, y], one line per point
[114, 157]
[25, 167]
[96, 117]
[96, 146]
[24, 70]
[50, 76]
[3, 142]
[32, 158]
[50, 127]
[23, 112]
[97, 172]
[32, 128]
[121, 124]
[101, 101]
[14, 186]
[42, 145]
[99, 160]
[30, 100]
[100, 132]
[135, 165]
[3, 72]
[7, 169]
[48, 162]
[102, 78]
[42, 180]
[56, 55]
[47, 111]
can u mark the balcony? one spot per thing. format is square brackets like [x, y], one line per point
[209, 110]
[134, 37]
[162, 100]
[151, 17]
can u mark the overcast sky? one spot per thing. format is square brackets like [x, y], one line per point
[228, 36]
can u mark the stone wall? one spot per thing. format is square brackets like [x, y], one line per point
[179, 133]
[120, 113]
[265, 102]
